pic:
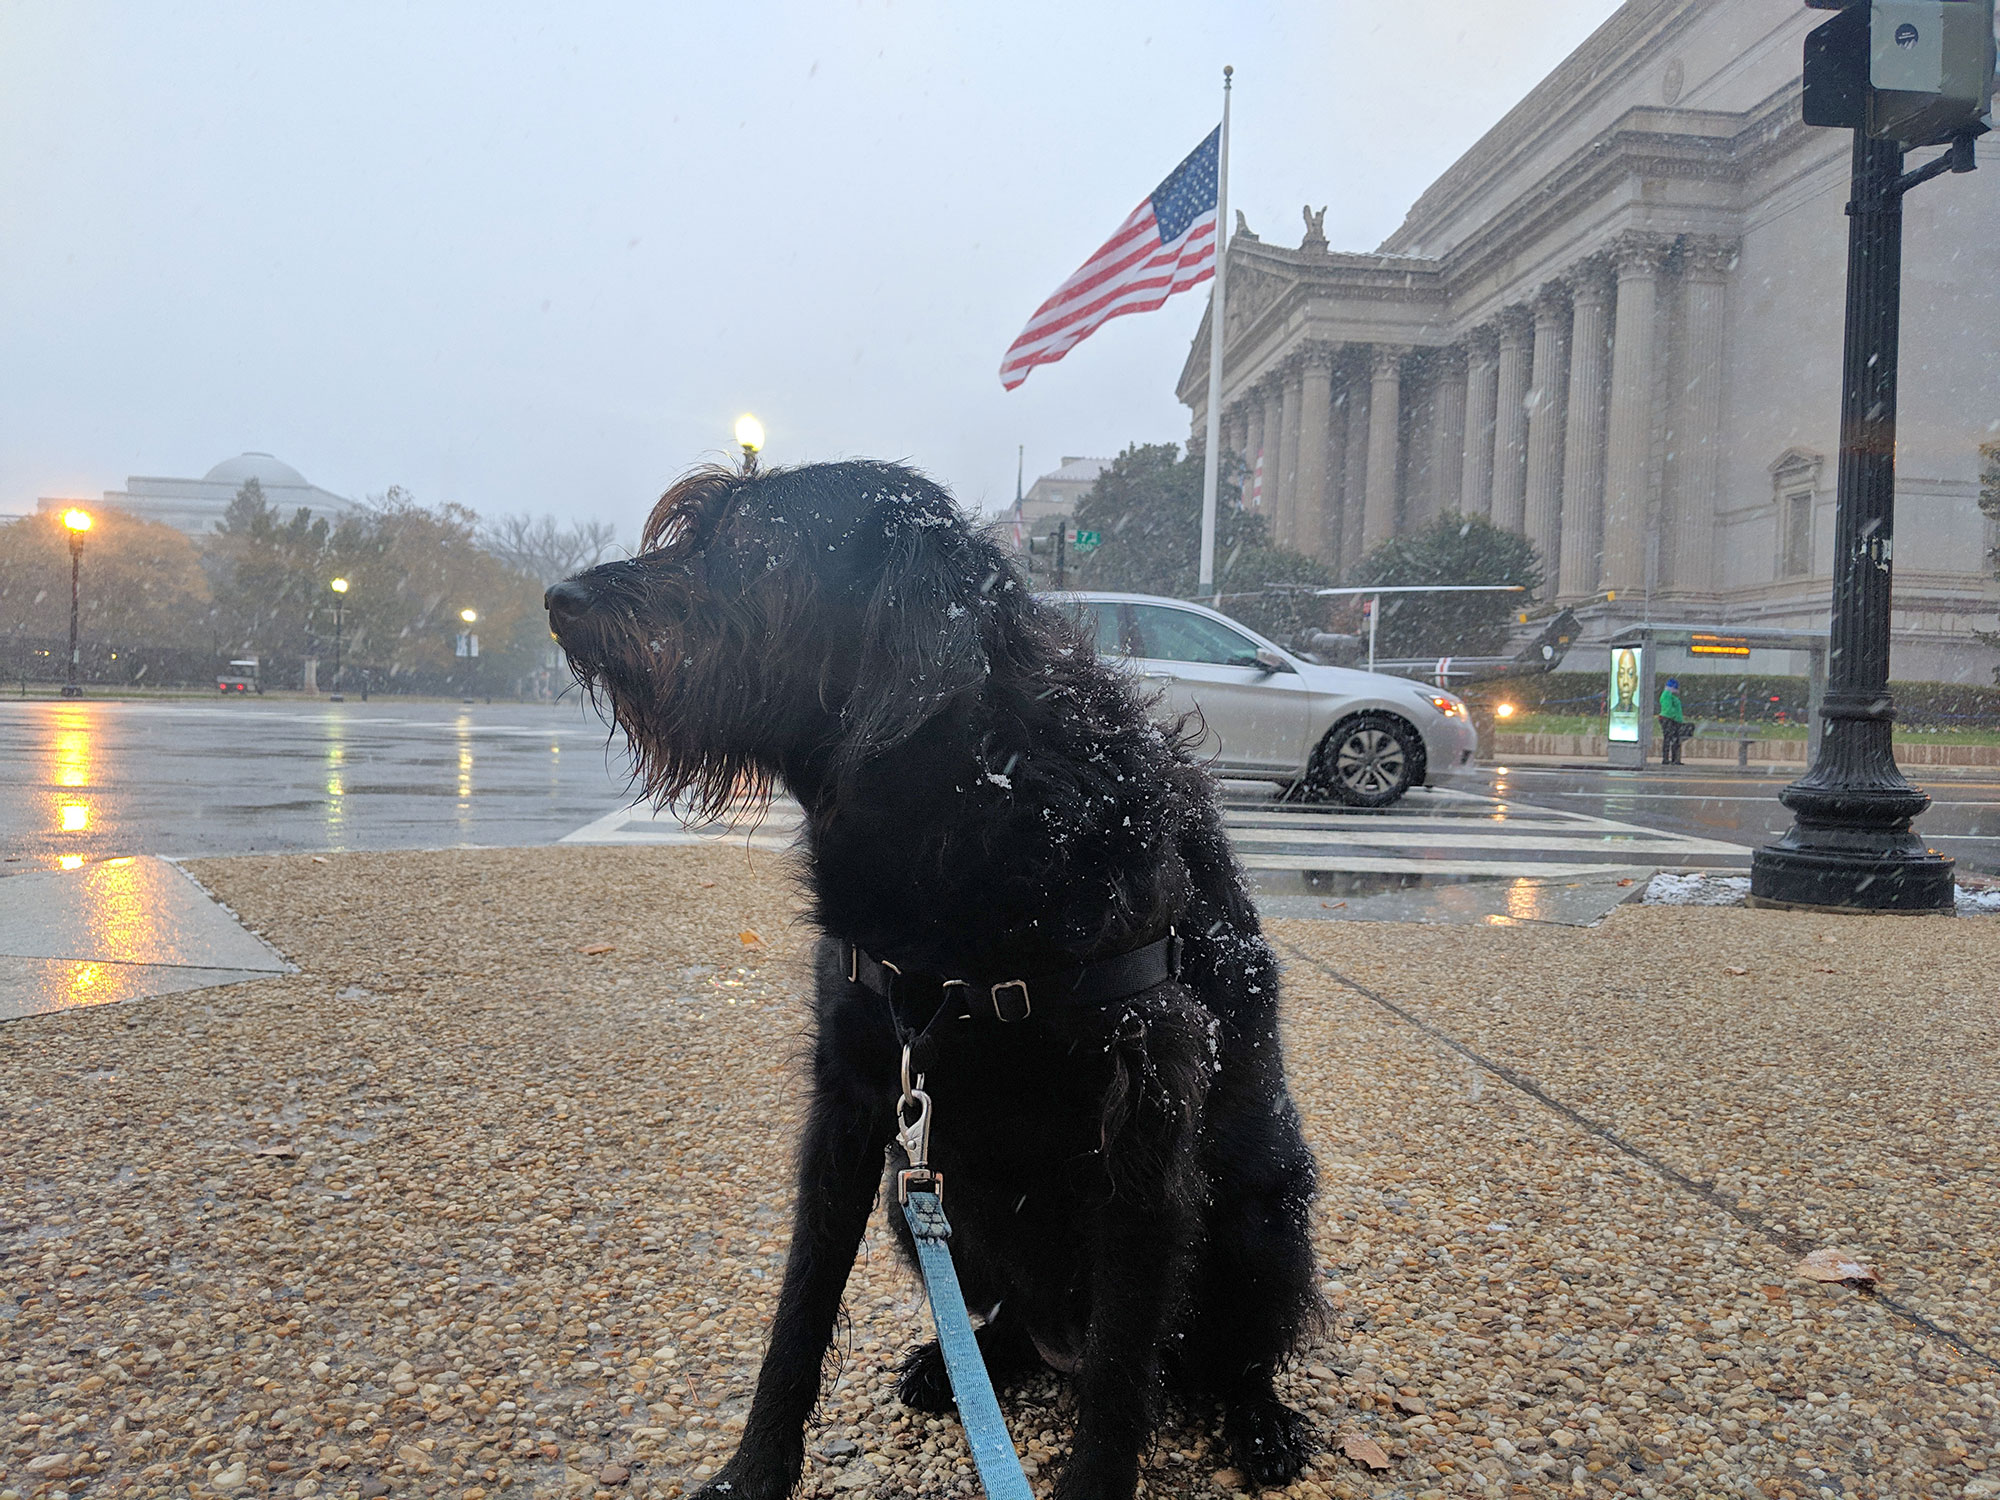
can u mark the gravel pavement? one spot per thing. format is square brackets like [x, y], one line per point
[491, 1199]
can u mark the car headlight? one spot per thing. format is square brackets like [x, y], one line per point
[1447, 705]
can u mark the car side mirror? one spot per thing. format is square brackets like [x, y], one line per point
[1269, 661]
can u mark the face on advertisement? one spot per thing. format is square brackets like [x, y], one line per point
[1628, 682]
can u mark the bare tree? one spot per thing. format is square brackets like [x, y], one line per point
[545, 549]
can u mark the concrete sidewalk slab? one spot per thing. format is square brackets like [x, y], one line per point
[35, 986]
[116, 930]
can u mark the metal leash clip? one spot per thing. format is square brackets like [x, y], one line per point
[915, 1138]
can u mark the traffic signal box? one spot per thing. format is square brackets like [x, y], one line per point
[1915, 71]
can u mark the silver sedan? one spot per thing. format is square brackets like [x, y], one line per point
[1325, 733]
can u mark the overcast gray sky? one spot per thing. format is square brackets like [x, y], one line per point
[538, 257]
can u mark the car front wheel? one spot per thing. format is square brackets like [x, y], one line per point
[1368, 761]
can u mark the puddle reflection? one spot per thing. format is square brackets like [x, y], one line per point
[87, 984]
[336, 781]
[70, 769]
[464, 771]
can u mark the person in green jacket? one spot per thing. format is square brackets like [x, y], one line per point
[1673, 723]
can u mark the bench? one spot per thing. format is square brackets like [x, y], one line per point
[1744, 734]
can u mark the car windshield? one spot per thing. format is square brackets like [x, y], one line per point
[1166, 634]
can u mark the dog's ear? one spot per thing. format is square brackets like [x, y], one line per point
[921, 640]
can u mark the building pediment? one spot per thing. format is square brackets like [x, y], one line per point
[1253, 290]
[1796, 464]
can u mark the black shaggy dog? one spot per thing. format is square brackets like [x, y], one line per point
[984, 802]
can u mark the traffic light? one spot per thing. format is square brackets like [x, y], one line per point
[1915, 71]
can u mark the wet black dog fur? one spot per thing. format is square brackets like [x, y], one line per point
[1128, 1186]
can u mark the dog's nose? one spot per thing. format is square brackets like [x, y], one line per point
[565, 601]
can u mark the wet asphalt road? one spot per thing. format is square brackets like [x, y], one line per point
[1742, 806]
[84, 780]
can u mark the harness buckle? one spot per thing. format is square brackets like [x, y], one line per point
[1000, 1010]
[923, 1179]
[1174, 949]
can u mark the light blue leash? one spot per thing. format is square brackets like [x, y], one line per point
[921, 1192]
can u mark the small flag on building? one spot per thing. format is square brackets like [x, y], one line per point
[1167, 245]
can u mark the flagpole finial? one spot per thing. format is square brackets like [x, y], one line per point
[1227, 73]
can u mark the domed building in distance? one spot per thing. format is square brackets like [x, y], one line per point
[195, 506]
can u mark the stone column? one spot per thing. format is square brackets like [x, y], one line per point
[1315, 416]
[1354, 486]
[1690, 549]
[1385, 410]
[1482, 380]
[1582, 530]
[1448, 443]
[1288, 455]
[1333, 523]
[1629, 433]
[1510, 421]
[1253, 447]
[1546, 401]
[1274, 442]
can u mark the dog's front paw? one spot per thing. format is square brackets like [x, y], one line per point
[924, 1384]
[744, 1478]
[1268, 1441]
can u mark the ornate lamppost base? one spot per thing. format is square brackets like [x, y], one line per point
[1851, 880]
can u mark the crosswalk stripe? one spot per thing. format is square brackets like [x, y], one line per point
[1621, 843]
[1446, 834]
[1492, 869]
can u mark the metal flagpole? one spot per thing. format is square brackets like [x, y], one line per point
[1211, 458]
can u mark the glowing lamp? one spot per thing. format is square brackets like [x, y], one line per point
[77, 520]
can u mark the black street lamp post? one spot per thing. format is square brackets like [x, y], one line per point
[468, 642]
[339, 587]
[1852, 846]
[78, 522]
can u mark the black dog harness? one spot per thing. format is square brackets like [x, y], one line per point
[929, 999]
[932, 997]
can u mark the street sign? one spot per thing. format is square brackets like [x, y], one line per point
[1915, 71]
[1085, 540]
[466, 644]
[1931, 68]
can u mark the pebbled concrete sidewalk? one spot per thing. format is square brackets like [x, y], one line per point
[490, 1199]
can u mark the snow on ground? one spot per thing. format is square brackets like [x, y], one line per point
[1699, 889]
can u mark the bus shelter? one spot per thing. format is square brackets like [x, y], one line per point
[1639, 651]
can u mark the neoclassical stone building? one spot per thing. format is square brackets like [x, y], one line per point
[1614, 325]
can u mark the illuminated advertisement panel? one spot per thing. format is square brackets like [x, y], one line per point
[1623, 700]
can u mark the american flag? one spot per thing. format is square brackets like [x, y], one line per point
[1166, 246]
